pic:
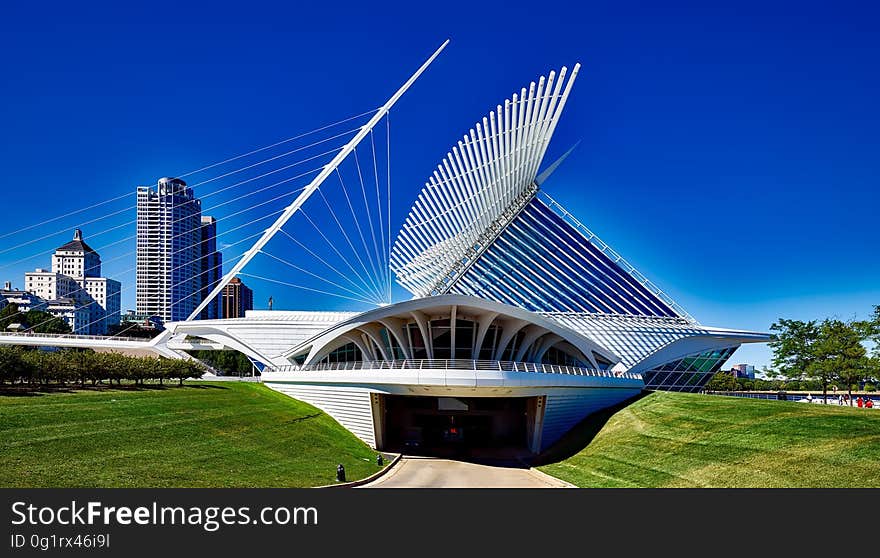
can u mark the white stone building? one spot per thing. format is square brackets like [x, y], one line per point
[76, 279]
[77, 315]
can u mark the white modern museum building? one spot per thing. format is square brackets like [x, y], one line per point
[522, 322]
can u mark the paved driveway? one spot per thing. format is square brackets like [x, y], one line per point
[425, 472]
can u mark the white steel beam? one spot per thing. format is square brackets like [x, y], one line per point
[314, 185]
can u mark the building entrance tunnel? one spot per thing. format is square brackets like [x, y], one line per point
[460, 427]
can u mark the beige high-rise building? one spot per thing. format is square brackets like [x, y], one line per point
[76, 278]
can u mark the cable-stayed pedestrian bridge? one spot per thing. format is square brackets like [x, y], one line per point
[66, 340]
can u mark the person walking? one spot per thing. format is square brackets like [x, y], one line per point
[840, 399]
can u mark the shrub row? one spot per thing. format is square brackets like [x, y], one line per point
[37, 367]
[724, 381]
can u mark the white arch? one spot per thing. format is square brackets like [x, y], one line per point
[425, 329]
[395, 326]
[483, 325]
[483, 312]
[546, 342]
[509, 329]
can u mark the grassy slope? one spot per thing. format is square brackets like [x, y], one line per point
[684, 440]
[200, 435]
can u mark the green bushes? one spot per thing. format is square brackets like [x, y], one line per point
[35, 367]
[724, 381]
[231, 363]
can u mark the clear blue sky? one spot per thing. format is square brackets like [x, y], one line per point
[729, 152]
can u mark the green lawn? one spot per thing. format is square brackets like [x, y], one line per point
[688, 440]
[201, 435]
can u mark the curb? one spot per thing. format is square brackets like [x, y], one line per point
[551, 478]
[366, 480]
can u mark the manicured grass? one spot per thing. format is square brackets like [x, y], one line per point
[688, 440]
[204, 434]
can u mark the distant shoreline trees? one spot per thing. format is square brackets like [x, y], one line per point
[816, 355]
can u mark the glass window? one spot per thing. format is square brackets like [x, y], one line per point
[490, 341]
[416, 341]
[442, 339]
[562, 358]
[346, 353]
[512, 346]
[465, 336]
[392, 347]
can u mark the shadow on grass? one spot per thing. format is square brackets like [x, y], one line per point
[300, 419]
[201, 386]
[7, 391]
[582, 434]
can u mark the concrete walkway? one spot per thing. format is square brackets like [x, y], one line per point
[430, 472]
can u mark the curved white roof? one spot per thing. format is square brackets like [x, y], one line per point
[541, 333]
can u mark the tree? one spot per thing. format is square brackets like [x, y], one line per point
[87, 365]
[49, 366]
[12, 365]
[823, 352]
[227, 361]
[126, 329]
[870, 330]
[182, 369]
[745, 384]
[792, 346]
[838, 354]
[722, 381]
[114, 366]
[44, 322]
[9, 315]
[143, 368]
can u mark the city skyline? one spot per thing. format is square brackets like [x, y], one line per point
[723, 161]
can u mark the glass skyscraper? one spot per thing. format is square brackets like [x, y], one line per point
[176, 251]
[211, 266]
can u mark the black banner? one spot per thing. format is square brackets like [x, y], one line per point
[242, 522]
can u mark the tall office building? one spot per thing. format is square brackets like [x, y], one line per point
[237, 299]
[75, 282]
[211, 265]
[169, 250]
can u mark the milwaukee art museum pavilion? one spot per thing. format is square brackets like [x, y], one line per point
[522, 322]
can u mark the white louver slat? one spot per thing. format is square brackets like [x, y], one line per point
[480, 185]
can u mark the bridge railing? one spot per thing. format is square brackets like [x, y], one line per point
[70, 336]
[453, 364]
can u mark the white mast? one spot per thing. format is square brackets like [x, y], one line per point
[314, 185]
